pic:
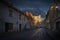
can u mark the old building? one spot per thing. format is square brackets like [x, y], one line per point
[11, 19]
[47, 20]
[24, 23]
[53, 17]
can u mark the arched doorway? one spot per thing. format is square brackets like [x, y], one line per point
[57, 26]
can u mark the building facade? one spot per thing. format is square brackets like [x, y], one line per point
[11, 19]
[53, 17]
[24, 22]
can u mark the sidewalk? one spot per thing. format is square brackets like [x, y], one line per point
[54, 35]
[51, 34]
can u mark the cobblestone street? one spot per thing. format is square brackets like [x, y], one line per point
[36, 34]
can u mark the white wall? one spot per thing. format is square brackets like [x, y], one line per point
[4, 16]
[24, 22]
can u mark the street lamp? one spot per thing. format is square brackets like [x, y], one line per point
[56, 7]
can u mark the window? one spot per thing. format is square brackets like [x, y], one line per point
[20, 16]
[10, 12]
[57, 9]
[8, 27]
[24, 18]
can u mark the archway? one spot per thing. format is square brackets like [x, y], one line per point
[57, 25]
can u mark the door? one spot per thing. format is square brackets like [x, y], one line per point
[57, 26]
[20, 27]
[8, 27]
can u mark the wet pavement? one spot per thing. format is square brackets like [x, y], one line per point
[36, 34]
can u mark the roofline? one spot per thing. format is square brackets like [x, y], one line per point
[10, 5]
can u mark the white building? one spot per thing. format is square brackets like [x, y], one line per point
[24, 22]
[10, 18]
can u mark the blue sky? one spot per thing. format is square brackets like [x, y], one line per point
[42, 5]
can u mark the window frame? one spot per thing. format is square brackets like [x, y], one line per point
[10, 12]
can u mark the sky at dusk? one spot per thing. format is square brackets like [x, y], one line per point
[33, 5]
